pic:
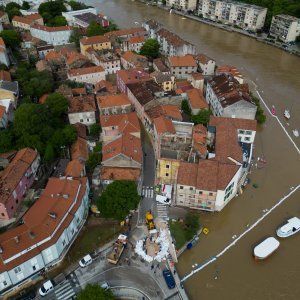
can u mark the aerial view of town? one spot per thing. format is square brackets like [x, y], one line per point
[149, 149]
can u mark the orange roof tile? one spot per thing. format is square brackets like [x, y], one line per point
[199, 139]
[51, 29]
[105, 85]
[94, 40]
[79, 91]
[43, 98]
[187, 174]
[74, 168]
[171, 111]
[80, 129]
[163, 125]
[2, 111]
[53, 55]
[109, 173]
[85, 103]
[112, 100]
[84, 71]
[136, 39]
[196, 99]
[79, 149]
[5, 75]
[182, 61]
[127, 145]
[133, 75]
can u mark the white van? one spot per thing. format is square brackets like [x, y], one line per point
[46, 288]
[163, 200]
[85, 261]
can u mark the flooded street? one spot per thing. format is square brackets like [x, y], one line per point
[277, 76]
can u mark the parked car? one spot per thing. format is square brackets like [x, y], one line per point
[169, 279]
[85, 261]
[104, 285]
[163, 200]
[27, 295]
[46, 288]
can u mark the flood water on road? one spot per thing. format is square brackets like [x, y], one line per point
[277, 76]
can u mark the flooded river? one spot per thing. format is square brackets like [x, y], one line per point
[277, 75]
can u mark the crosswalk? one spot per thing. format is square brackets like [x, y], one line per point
[65, 291]
[162, 211]
[147, 191]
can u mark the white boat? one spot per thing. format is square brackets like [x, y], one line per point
[291, 227]
[287, 114]
[170, 11]
[296, 132]
[266, 248]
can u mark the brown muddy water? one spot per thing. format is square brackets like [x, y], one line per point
[236, 275]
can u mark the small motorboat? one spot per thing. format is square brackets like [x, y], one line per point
[273, 110]
[170, 11]
[266, 248]
[287, 114]
[296, 132]
[291, 227]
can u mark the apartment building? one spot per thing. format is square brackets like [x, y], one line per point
[182, 4]
[90, 75]
[4, 18]
[113, 104]
[247, 16]
[3, 53]
[49, 227]
[70, 15]
[228, 98]
[25, 22]
[52, 35]
[286, 28]
[98, 42]
[182, 66]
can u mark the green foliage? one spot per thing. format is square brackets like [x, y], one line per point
[3, 67]
[58, 21]
[95, 130]
[77, 5]
[75, 37]
[95, 29]
[260, 115]
[49, 152]
[185, 107]
[57, 104]
[192, 225]
[73, 84]
[94, 160]
[11, 38]
[98, 147]
[25, 5]
[150, 48]
[13, 9]
[95, 292]
[52, 9]
[118, 199]
[7, 140]
[202, 117]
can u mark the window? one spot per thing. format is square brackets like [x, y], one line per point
[87, 119]
[181, 187]
[81, 120]
[4, 283]
[247, 139]
[210, 194]
[167, 166]
[2, 214]
[179, 72]
[64, 242]
[200, 192]
[191, 188]
[18, 270]
[34, 268]
[15, 194]
[167, 174]
[17, 201]
[248, 132]
[12, 207]
[241, 131]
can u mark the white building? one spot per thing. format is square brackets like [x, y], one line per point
[52, 35]
[285, 27]
[206, 64]
[69, 15]
[3, 53]
[182, 66]
[90, 75]
[247, 16]
[49, 227]
[182, 4]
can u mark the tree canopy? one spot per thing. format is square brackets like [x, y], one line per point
[202, 117]
[11, 38]
[50, 10]
[57, 104]
[95, 29]
[95, 292]
[75, 37]
[150, 48]
[13, 9]
[58, 21]
[77, 5]
[25, 5]
[118, 199]
[185, 107]
[95, 130]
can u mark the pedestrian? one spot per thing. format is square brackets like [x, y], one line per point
[174, 272]
[152, 267]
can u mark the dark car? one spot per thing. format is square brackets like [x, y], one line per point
[29, 295]
[169, 279]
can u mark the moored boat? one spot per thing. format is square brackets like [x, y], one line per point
[296, 132]
[273, 110]
[291, 227]
[266, 248]
[287, 114]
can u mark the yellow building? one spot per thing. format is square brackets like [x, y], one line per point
[98, 42]
[166, 170]
[5, 94]
[165, 81]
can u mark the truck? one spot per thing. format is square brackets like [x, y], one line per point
[118, 248]
[149, 220]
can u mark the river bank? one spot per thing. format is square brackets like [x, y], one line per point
[262, 38]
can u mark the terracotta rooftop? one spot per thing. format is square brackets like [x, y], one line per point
[79, 91]
[199, 139]
[136, 39]
[203, 59]
[128, 123]
[84, 103]
[182, 61]
[15, 171]
[163, 125]
[133, 75]
[227, 69]
[109, 173]
[79, 150]
[50, 215]
[27, 19]
[171, 111]
[144, 91]
[98, 39]
[229, 90]
[135, 59]
[126, 145]
[112, 100]
[84, 71]
[5, 75]
[53, 55]
[80, 129]
[172, 38]
[125, 32]
[105, 86]
[51, 29]
[74, 57]
[196, 99]
[187, 174]
[2, 111]
[160, 65]
[74, 168]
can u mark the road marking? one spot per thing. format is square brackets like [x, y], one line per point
[65, 291]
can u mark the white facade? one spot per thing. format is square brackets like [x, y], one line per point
[86, 118]
[69, 15]
[285, 27]
[91, 78]
[182, 4]
[52, 35]
[247, 16]
[207, 67]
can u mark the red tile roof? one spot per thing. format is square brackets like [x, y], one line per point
[74, 168]
[196, 99]
[51, 29]
[85, 103]
[163, 125]
[5, 75]
[112, 100]
[136, 39]
[133, 75]
[79, 150]
[171, 111]
[99, 39]
[84, 71]
[2, 111]
[110, 173]
[182, 61]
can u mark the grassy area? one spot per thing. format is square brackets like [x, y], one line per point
[177, 232]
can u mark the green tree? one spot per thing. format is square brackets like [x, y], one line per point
[50, 10]
[75, 37]
[57, 104]
[70, 134]
[49, 152]
[185, 107]
[58, 21]
[202, 117]
[13, 9]
[118, 199]
[95, 29]
[95, 292]
[150, 48]
[77, 5]
[94, 160]
[7, 140]
[11, 38]
[192, 225]
[95, 130]
[25, 5]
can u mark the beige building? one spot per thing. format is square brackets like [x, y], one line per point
[285, 27]
[98, 42]
[182, 4]
[167, 170]
[113, 104]
[4, 17]
[25, 22]
[182, 66]
[90, 75]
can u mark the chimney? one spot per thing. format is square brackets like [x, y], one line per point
[52, 215]
[1, 250]
[17, 239]
[31, 235]
[66, 196]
